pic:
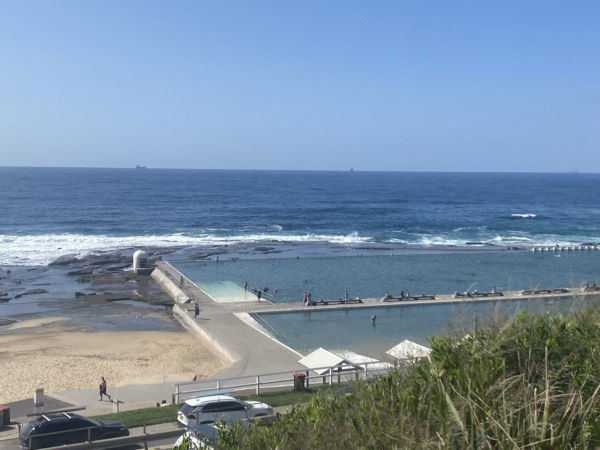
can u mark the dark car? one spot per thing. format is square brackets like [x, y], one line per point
[50, 430]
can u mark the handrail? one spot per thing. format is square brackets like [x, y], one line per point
[186, 289]
[264, 323]
[259, 380]
[264, 294]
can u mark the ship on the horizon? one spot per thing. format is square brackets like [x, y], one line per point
[140, 167]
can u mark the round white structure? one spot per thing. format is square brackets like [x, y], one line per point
[141, 262]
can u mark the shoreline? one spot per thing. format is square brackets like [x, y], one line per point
[48, 353]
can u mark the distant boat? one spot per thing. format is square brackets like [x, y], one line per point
[574, 171]
[351, 169]
[140, 167]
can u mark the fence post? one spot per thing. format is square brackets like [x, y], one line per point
[177, 393]
[307, 380]
[89, 439]
[257, 384]
[366, 371]
[330, 376]
[218, 385]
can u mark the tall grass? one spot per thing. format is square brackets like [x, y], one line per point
[529, 382]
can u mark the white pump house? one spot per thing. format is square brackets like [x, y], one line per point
[141, 263]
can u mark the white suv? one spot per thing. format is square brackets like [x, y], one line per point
[201, 410]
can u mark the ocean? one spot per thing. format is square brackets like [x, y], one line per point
[49, 212]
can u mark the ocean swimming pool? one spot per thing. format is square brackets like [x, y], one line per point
[372, 276]
[351, 329]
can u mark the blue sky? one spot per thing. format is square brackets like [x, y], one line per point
[385, 85]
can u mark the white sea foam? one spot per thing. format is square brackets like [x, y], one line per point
[277, 227]
[524, 216]
[42, 249]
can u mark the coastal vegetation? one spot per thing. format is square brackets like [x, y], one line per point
[532, 381]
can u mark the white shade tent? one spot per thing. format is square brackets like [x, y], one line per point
[408, 349]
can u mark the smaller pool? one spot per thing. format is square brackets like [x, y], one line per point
[226, 291]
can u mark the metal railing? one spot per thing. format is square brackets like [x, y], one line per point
[254, 290]
[179, 283]
[262, 322]
[345, 372]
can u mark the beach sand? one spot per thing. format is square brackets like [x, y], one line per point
[46, 353]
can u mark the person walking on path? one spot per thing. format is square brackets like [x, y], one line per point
[196, 311]
[246, 286]
[259, 295]
[103, 389]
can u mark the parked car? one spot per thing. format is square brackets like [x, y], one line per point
[51, 430]
[210, 409]
[198, 438]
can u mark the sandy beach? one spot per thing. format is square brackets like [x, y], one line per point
[47, 353]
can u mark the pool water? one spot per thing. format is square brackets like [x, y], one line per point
[352, 330]
[372, 276]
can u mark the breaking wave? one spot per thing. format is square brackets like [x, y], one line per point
[36, 250]
[524, 216]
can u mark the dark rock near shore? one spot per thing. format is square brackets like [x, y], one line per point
[4, 322]
[80, 272]
[64, 260]
[3, 294]
[205, 255]
[35, 291]
[80, 294]
[263, 249]
[474, 243]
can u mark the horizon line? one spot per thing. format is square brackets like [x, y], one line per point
[574, 172]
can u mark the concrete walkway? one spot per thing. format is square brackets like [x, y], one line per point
[247, 350]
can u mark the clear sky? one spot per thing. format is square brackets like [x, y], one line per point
[374, 85]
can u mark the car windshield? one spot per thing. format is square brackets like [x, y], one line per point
[26, 430]
[185, 408]
[92, 422]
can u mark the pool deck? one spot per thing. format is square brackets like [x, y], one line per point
[265, 307]
[248, 349]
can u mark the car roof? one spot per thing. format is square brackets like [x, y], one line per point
[209, 399]
[54, 418]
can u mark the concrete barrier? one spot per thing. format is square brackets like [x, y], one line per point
[122, 441]
[193, 327]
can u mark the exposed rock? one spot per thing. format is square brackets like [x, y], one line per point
[64, 260]
[35, 291]
[4, 300]
[79, 294]
[263, 249]
[18, 296]
[15, 281]
[84, 279]
[3, 294]
[80, 272]
[205, 255]
[4, 322]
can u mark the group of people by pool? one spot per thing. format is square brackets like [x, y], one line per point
[403, 294]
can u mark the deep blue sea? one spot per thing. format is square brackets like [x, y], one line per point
[47, 212]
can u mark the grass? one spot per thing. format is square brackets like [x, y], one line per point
[531, 382]
[156, 415]
[149, 416]
[284, 398]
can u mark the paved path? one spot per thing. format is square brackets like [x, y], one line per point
[254, 352]
[265, 307]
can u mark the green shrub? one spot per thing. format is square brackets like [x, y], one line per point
[529, 382]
